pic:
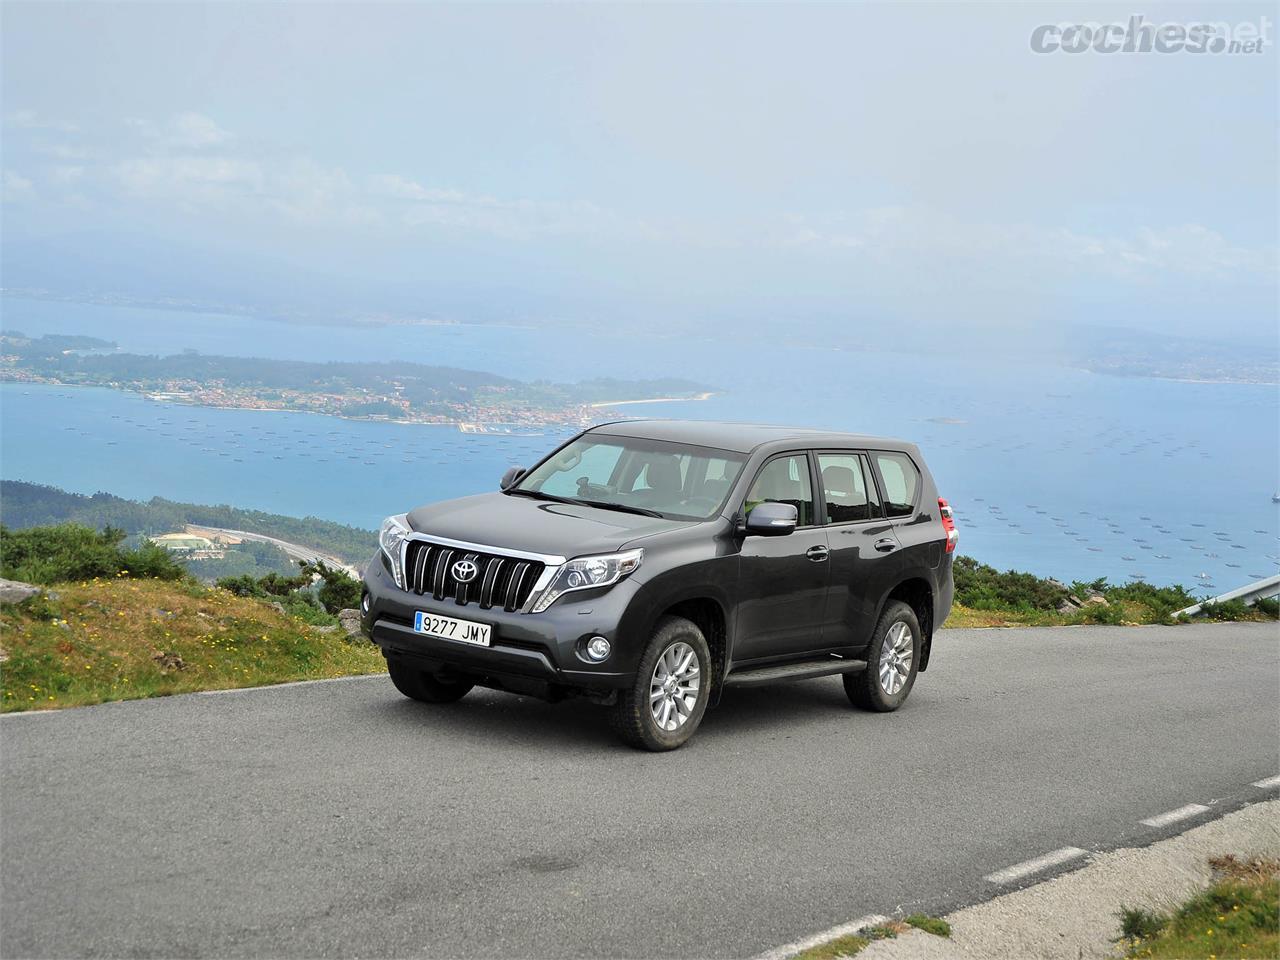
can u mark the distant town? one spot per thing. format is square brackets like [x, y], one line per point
[399, 392]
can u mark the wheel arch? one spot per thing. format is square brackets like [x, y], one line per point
[708, 613]
[916, 591]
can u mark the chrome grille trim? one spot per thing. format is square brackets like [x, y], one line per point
[507, 581]
[489, 581]
[550, 559]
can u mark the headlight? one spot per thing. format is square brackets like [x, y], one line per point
[390, 539]
[587, 573]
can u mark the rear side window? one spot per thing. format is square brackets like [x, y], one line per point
[901, 482]
[785, 480]
[845, 489]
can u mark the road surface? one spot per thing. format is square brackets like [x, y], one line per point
[338, 819]
[295, 550]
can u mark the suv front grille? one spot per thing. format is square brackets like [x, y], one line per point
[499, 581]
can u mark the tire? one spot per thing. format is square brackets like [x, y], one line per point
[870, 688]
[417, 684]
[633, 719]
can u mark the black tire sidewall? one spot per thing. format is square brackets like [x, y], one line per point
[638, 715]
[871, 695]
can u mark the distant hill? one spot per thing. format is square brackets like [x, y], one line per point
[30, 505]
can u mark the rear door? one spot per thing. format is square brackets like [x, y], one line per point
[782, 580]
[865, 558]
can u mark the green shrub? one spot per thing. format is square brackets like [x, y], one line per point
[70, 552]
[1161, 601]
[1108, 613]
[1226, 610]
[982, 587]
[1269, 607]
[338, 589]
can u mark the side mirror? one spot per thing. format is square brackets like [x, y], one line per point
[511, 477]
[770, 519]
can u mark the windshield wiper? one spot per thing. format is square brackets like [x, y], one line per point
[620, 507]
[603, 505]
[538, 495]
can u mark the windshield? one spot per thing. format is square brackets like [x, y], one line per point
[673, 480]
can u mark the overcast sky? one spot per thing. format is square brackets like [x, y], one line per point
[859, 166]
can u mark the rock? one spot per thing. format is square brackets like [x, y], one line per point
[15, 591]
[277, 605]
[169, 661]
[326, 628]
[1096, 599]
[349, 620]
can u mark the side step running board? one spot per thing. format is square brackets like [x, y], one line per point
[793, 671]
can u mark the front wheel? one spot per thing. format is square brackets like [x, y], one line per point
[665, 703]
[417, 684]
[892, 662]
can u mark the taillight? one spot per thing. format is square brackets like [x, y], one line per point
[948, 525]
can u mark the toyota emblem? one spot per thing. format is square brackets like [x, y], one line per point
[464, 571]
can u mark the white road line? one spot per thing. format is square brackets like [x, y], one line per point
[799, 946]
[295, 683]
[1028, 867]
[1268, 784]
[29, 713]
[1173, 816]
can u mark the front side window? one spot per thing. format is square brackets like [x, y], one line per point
[675, 480]
[784, 480]
[845, 489]
[901, 482]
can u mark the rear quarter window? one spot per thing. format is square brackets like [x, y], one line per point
[901, 481]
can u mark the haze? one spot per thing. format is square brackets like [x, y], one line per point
[904, 171]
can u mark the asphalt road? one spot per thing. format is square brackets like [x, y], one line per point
[340, 819]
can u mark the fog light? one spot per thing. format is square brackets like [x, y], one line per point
[598, 649]
[364, 603]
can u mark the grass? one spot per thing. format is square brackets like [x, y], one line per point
[851, 943]
[935, 925]
[1116, 612]
[1238, 916]
[124, 639]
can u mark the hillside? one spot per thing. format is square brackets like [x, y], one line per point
[102, 640]
[31, 505]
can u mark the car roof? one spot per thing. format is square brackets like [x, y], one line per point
[741, 437]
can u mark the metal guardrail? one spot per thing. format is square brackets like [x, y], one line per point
[1268, 587]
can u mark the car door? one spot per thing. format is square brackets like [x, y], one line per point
[865, 549]
[782, 581]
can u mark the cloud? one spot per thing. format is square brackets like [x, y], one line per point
[30, 120]
[195, 130]
[189, 131]
[16, 187]
[188, 178]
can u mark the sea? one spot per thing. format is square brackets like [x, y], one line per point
[1057, 471]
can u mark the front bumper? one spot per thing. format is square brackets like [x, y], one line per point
[533, 653]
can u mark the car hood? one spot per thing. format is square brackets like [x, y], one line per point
[536, 526]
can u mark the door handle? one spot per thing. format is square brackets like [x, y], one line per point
[817, 553]
[886, 544]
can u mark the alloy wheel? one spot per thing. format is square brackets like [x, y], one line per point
[673, 688]
[895, 658]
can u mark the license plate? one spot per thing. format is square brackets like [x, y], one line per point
[447, 628]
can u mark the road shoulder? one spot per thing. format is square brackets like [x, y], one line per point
[1074, 916]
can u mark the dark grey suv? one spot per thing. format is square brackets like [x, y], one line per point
[648, 565]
